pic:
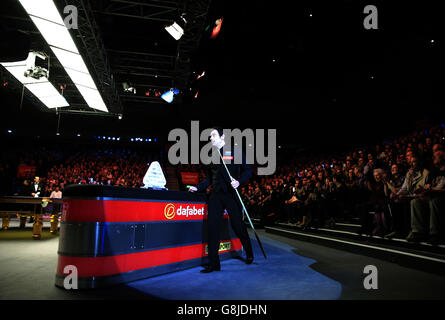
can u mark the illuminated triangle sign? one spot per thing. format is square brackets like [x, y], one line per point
[154, 178]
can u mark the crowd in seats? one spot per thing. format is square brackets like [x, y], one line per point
[394, 189]
[61, 166]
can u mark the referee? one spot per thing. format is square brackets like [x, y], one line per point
[222, 197]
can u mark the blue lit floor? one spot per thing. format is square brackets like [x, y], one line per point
[283, 276]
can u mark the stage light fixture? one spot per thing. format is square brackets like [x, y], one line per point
[36, 83]
[168, 96]
[175, 30]
[201, 75]
[119, 116]
[9, 131]
[128, 88]
[217, 28]
[32, 70]
[49, 22]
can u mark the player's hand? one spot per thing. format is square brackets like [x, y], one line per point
[235, 183]
[193, 189]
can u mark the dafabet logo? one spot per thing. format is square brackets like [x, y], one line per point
[169, 211]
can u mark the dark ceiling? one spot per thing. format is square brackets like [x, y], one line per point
[309, 69]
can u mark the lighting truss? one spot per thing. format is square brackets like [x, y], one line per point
[48, 21]
[40, 88]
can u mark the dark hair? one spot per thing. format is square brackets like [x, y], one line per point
[219, 129]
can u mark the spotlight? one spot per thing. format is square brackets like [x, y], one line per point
[147, 93]
[201, 75]
[132, 139]
[5, 83]
[78, 134]
[168, 96]
[34, 71]
[217, 28]
[9, 131]
[128, 88]
[119, 116]
[175, 30]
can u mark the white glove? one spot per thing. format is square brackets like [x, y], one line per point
[192, 189]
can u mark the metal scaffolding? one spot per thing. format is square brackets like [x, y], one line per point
[148, 10]
[110, 67]
[196, 14]
[93, 50]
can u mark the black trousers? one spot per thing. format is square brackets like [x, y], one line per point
[219, 201]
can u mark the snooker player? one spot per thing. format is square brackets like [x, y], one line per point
[223, 197]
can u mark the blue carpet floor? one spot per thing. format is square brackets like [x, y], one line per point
[283, 276]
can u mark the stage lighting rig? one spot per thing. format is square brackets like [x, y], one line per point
[168, 96]
[128, 88]
[175, 30]
[216, 28]
[34, 71]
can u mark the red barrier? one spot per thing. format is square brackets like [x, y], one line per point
[113, 235]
